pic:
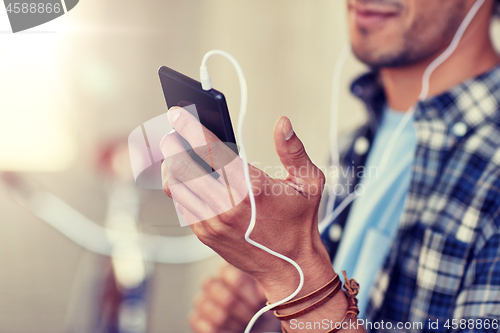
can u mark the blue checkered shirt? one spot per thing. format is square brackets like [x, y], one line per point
[445, 261]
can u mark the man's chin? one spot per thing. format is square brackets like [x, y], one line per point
[366, 56]
[377, 57]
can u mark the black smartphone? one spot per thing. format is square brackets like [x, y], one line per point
[209, 107]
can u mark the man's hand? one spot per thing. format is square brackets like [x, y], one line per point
[287, 208]
[228, 302]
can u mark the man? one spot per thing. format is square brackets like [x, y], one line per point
[443, 219]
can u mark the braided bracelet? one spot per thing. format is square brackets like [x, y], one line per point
[308, 297]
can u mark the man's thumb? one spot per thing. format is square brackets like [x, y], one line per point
[291, 151]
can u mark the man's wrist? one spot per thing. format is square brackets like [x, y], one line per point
[317, 270]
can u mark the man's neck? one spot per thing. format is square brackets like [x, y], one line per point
[474, 55]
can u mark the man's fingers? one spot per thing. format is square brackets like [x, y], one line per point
[243, 286]
[288, 146]
[180, 169]
[294, 157]
[201, 324]
[227, 299]
[218, 316]
[189, 218]
[205, 143]
[228, 302]
[190, 202]
[227, 164]
[178, 160]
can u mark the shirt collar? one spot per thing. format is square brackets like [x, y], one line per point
[370, 90]
[459, 110]
[466, 106]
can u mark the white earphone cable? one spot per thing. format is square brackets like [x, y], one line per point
[207, 85]
[334, 148]
[409, 114]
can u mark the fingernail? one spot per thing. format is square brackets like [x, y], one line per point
[287, 129]
[173, 114]
[163, 139]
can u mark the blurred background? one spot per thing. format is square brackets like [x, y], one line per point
[72, 90]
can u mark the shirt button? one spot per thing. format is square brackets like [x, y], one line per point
[459, 129]
[357, 90]
[335, 232]
[361, 145]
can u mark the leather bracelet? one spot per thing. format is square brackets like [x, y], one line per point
[351, 288]
[351, 313]
[311, 307]
[308, 297]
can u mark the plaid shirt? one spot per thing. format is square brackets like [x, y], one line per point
[445, 261]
